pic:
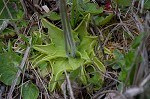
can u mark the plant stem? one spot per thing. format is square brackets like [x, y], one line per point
[69, 41]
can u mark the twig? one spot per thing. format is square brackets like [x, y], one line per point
[23, 74]
[18, 73]
[131, 92]
[69, 85]
[63, 88]
[4, 25]
[33, 7]
[109, 91]
[107, 38]
[37, 75]
[24, 7]
[145, 81]
[123, 24]
[137, 22]
[99, 39]
[142, 6]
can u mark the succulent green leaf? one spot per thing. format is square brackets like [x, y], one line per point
[99, 20]
[75, 73]
[51, 50]
[92, 8]
[54, 16]
[9, 65]
[54, 32]
[136, 42]
[30, 91]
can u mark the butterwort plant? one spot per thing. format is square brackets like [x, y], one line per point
[70, 50]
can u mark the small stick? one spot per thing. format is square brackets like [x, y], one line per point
[69, 85]
[18, 73]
